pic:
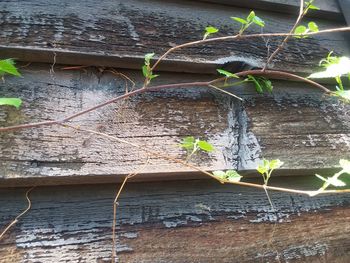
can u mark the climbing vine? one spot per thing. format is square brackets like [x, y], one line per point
[332, 67]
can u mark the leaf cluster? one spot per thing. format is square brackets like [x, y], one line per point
[7, 66]
[267, 167]
[227, 176]
[248, 21]
[147, 69]
[192, 146]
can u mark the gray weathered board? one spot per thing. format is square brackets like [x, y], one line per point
[296, 123]
[116, 33]
[200, 221]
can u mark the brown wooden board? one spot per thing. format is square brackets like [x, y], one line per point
[296, 123]
[113, 33]
[199, 221]
[329, 8]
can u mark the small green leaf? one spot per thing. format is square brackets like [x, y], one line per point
[257, 20]
[229, 175]
[262, 169]
[211, 29]
[275, 164]
[219, 174]
[232, 176]
[313, 27]
[16, 102]
[145, 71]
[300, 30]
[240, 20]
[345, 165]
[251, 16]
[153, 76]
[334, 67]
[331, 181]
[148, 58]
[309, 5]
[205, 146]
[188, 143]
[227, 73]
[8, 66]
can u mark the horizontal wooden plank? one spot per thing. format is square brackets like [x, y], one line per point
[296, 124]
[328, 8]
[196, 221]
[111, 33]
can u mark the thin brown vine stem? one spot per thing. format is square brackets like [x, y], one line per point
[115, 205]
[226, 92]
[20, 215]
[275, 73]
[215, 39]
[184, 163]
[285, 40]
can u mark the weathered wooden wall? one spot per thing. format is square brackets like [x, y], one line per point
[312, 129]
[119, 34]
[200, 221]
[173, 221]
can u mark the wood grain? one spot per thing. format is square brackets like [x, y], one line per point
[200, 221]
[296, 124]
[112, 33]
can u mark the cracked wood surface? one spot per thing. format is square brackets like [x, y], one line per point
[297, 124]
[200, 221]
[113, 33]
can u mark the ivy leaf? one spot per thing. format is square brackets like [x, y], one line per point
[148, 58]
[227, 73]
[145, 71]
[233, 176]
[210, 30]
[229, 175]
[16, 102]
[258, 21]
[312, 26]
[261, 83]
[152, 76]
[309, 5]
[345, 165]
[8, 66]
[205, 146]
[239, 20]
[188, 143]
[251, 16]
[331, 181]
[300, 30]
[334, 68]
[275, 164]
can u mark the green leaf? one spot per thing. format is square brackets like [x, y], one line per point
[211, 29]
[331, 181]
[227, 73]
[257, 20]
[275, 164]
[232, 176]
[148, 58]
[334, 67]
[145, 71]
[153, 76]
[188, 143]
[219, 174]
[345, 165]
[240, 20]
[229, 175]
[300, 30]
[205, 146]
[313, 27]
[251, 16]
[309, 5]
[16, 102]
[8, 66]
